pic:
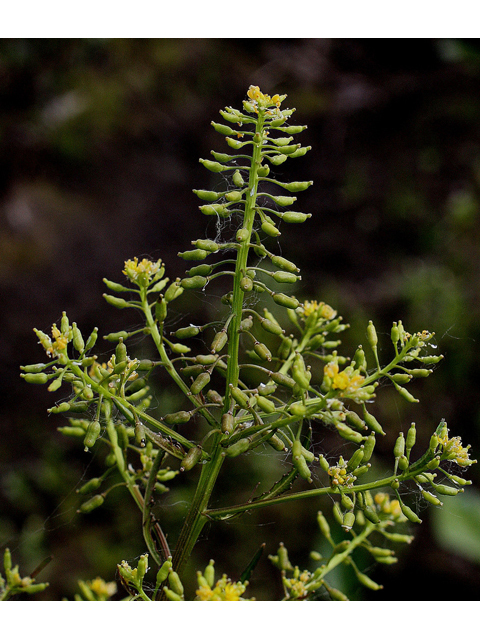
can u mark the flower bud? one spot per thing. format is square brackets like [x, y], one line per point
[399, 448]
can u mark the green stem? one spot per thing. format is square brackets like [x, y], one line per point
[196, 519]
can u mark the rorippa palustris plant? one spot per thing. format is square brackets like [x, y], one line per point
[301, 381]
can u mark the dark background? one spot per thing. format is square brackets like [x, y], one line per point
[100, 141]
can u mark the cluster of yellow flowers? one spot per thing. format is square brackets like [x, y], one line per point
[142, 271]
[453, 449]
[224, 590]
[322, 309]
[263, 100]
[295, 586]
[347, 381]
[387, 506]
[340, 476]
[59, 343]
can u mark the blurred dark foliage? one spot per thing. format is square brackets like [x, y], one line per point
[100, 141]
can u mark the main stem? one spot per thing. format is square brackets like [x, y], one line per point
[196, 519]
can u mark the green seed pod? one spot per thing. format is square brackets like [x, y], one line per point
[408, 513]
[284, 277]
[283, 263]
[207, 245]
[420, 373]
[193, 254]
[228, 424]
[140, 433]
[180, 417]
[215, 167]
[171, 595]
[78, 342]
[277, 443]
[175, 582]
[395, 333]
[173, 291]
[372, 423]
[142, 567]
[301, 466]
[163, 572]
[270, 229]
[366, 581]
[403, 463]
[114, 337]
[91, 504]
[335, 593]
[430, 359]
[368, 447]
[187, 332]
[399, 448]
[262, 351]
[34, 368]
[61, 408]
[397, 537]
[122, 434]
[92, 339]
[286, 301]
[246, 284]
[200, 270]
[193, 456]
[239, 396]
[429, 497]
[434, 464]
[323, 525]
[348, 520]
[233, 196]
[405, 394]
[200, 382]
[346, 501]
[295, 186]
[219, 341]
[282, 379]
[355, 421]
[295, 217]
[35, 378]
[246, 324]
[210, 196]
[121, 352]
[118, 303]
[371, 514]
[266, 405]
[242, 235]
[349, 434]
[192, 370]
[323, 463]
[241, 446]
[411, 438]
[223, 129]
[237, 179]
[272, 327]
[91, 485]
[206, 359]
[209, 573]
[356, 459]
[445, 490]
[401, 378]
[197, 282]
[92, 435]
[76, 432]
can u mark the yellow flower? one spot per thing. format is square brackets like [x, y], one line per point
[339, 476]
[59, 343]
[103, 590]
[387, 506]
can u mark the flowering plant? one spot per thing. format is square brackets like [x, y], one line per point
[269, 378]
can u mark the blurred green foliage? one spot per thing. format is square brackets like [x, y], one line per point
[100, 142]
